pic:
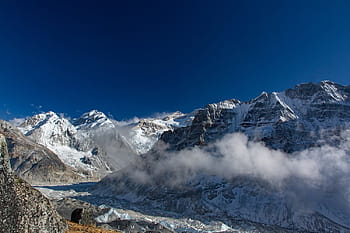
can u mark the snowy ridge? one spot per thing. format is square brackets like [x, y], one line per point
[94, 143]
[49, 129]
[292, 122]
[62, 137]
[92, 120]
[143, 135]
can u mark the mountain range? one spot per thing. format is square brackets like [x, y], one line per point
[86, 148]
[279, 162]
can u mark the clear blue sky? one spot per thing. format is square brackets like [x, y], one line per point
[135, 58]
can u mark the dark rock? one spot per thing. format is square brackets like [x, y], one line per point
[77, 215]
[86, 160]
[136, 226]
[24, 209]
[82, 216]
[95, 151]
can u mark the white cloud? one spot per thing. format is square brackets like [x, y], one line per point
[234, 155]
[17, 121]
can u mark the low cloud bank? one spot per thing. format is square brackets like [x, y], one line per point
[234, 156]
[316, 179]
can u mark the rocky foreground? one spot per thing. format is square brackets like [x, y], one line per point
[23, 208]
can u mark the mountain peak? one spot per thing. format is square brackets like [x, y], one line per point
[94, 112]
[226, 104]
[93, 119]
[38, 119]
[327, 82]
[264, 95]
[317, 93]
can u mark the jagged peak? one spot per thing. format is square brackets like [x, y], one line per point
[94, 112]
[50, 113]
[327, 82]
[225, 104]
[319, 84]
[39, 119]
[324, 91]
[264, 95]
[92, 119]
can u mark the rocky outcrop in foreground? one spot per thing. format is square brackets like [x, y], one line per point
[22, 208]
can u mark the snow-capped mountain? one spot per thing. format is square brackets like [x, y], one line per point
[144, 134]
[296, 146]
[291, 120]
[72, 146]
[93, 120]
[292, 173]
[96, 144]
[50, 130]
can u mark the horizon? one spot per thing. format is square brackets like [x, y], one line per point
[15, 120]
[142, 58]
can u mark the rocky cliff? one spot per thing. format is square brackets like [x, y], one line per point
[309, 115]
[24, 209]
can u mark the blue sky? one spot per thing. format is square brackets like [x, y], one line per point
[136, 58]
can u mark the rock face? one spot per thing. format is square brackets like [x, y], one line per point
[24, 209]
[292, 120]
[7, 189]
[33, 162]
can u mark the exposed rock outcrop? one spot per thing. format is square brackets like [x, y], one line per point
[24, 209]
[293, 120]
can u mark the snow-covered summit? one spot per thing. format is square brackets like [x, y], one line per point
[66, 140]
[297, 108]
[92, 120]
[36, 120]
[95, 143]
[146, 132]
[49, 129]
[322, 92]
[226, 104]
